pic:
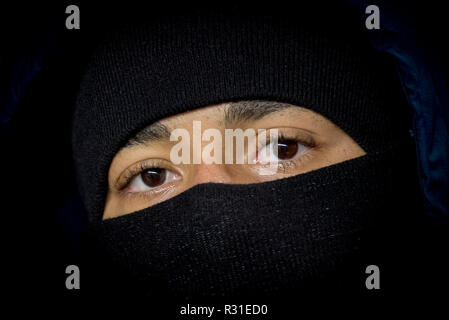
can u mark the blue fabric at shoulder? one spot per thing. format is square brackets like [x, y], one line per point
[426, 90]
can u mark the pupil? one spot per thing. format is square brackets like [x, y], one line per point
[287, 149]
[154, 177]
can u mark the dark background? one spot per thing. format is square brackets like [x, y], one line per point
[41, 64]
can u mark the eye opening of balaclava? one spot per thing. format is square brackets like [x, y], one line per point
[227, 239]
[145, 72]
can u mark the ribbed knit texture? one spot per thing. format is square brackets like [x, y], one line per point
[143, 73]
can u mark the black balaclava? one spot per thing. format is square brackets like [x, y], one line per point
[318, 229]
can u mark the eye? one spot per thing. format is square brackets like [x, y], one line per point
[283, 149]
[287, 149]
[151, 178]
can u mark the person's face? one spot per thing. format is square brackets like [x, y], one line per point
[143, 173]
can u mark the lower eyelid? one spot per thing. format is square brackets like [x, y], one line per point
[287, 165]
[149, 193]
[297, 161]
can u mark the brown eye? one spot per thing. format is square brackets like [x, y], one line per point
[287, 149]
[154, 177]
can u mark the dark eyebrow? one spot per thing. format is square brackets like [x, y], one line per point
[251, 110]
[235, 112]
[155, 131]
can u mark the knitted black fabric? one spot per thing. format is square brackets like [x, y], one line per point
[145, 72]
[315, 230]
[212, 241]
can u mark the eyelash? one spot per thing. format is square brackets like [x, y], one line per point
[305, 141]
[284, 165]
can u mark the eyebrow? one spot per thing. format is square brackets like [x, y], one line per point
[252, 110]
[154, 132]
[234, 113]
